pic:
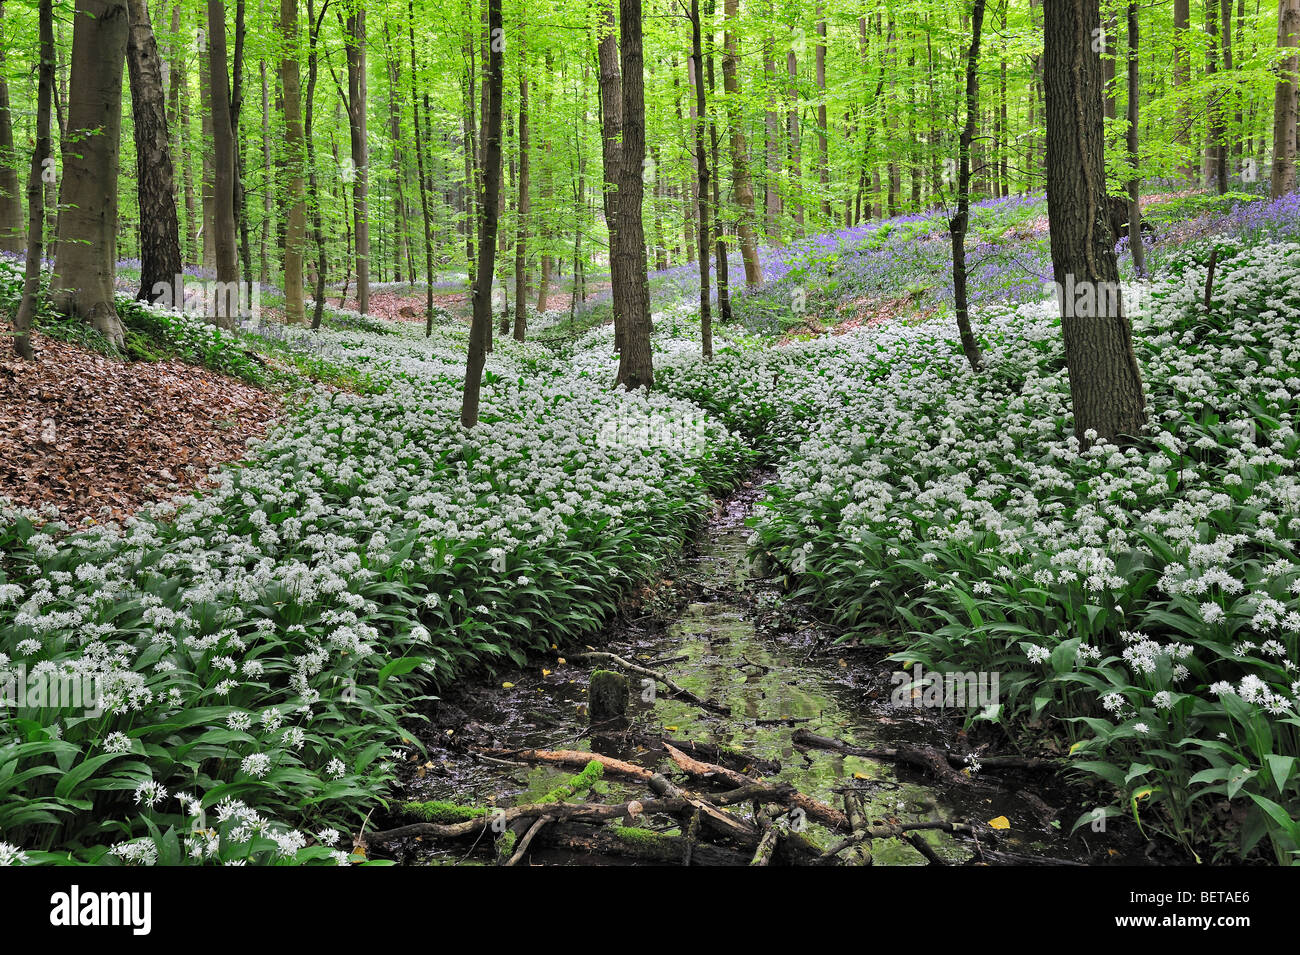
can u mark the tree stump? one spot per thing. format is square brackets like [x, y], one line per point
[607, 697]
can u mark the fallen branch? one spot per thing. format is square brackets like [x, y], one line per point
[533, 830]
[818, 811]
[938, 762]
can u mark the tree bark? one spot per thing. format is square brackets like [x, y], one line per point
[481, 326]
[819, 65]
[742, 181]
[223, 183]
[85, 266]
[521, 231]
[12, 234]
[611, 123]
[355, 47]
[702, 178]
[160, 241]
[635, 365]
[35, 186]
[1105, 382]
[294, 135]
[1134, 183]
[1283, 174]
[958, 225]
[424, 185]
[317, 225]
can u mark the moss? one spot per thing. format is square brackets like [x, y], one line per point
[577, 784]
[654, 845]
[443, 813]
[506, 842]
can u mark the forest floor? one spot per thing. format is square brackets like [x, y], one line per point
[98, 437]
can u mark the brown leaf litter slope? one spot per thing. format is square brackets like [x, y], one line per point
[85, 432]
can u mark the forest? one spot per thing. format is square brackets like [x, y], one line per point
[663, 432]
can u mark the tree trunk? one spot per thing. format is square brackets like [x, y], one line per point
[160, 240]
[223, 183]
[12, 234]
[424, 185]
[86, 261]
[772, 197]
[294, 134]
[1134, 183]
[702, 178]
[742, 182]
[35, 187]
[1182, 80]
[1283, 175]
[481, 325]
[611, 123]
[355, 45]
[207, 175]
[317, 225]
[1105, 382]
[636, 368]
[958, 225]
[792, 128]
[823, 168]
[719, 237]
[521, 231]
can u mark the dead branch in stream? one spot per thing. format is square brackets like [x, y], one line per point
[938, 763]
[696, 769]
[673, 689]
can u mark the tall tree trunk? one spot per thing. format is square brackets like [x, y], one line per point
[742, 182]
[823, 167]
[401, 247]
[521, 230]
[160, 240]
[772, 123]
[223, 147]
[1134, 183]
[1182, 80]
[317, 225]
[1217, 156]
[84, 270]
[12, 237]
[792, 131]
[236, 105]
[611, 124]
[719, 237]
[481, 325]
[35, 187]
[1283, 175]
[635, 365]
[207, 174]
[702, 178]
[958, 224]
[294, 136]
[424, 184]
[1105, 382]
[355, 46]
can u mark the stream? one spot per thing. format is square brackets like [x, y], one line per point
[731, 637]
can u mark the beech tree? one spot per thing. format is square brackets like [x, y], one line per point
[635, 365]
[86, 264]
[1105, 382]
[481, 297]
[160, 239]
